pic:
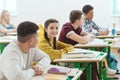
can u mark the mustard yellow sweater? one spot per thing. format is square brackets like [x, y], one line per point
[61, 48]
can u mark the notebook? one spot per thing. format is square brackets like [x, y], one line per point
[59, 70]
[80, 55]
[80, 51]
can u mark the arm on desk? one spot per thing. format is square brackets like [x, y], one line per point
[80, 39]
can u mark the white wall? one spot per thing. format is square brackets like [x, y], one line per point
[40, 10]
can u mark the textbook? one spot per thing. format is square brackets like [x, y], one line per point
[59, 70]
[80, 55]
[80, 51]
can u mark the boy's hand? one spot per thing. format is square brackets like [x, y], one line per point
[38, 69]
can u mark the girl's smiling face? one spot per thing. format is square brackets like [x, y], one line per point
[52, 30]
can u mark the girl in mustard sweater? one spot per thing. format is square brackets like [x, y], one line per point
[55, 49]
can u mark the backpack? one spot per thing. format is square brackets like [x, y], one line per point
[113, 63]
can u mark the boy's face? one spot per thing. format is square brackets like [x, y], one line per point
[89, 15]
[33, 40]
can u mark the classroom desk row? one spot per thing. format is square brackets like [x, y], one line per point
[98, 57]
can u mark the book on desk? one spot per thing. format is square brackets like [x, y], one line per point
[94, 42]
[79, 53]
[59, 70]
[63, 70]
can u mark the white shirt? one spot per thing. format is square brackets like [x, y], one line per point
[16, 65]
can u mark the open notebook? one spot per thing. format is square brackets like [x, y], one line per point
[59, 70]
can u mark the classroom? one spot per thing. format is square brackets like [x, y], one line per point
[59, 40]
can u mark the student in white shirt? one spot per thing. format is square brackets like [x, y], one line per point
[16, 59]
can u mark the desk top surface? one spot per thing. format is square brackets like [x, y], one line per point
[108, 36]
[12, 34]
[96, 58]
[112, 40]
[93, 43]
[7, 39]
[50, 76]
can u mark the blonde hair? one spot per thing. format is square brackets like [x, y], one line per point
[3, 15]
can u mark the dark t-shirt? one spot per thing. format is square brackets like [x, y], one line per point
[66, 29]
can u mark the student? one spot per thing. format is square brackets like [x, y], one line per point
[55, 49]
[89, 25]
[72, 33]
[16, 59]
[5, 26]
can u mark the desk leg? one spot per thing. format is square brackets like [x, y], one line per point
[108, 52]
[88, 67]
[1, 48]
[77, 65]
[104, 74]
[89, 72]
[100, 70]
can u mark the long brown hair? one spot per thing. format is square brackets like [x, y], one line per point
[47, 22]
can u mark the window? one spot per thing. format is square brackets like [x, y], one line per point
[9, 5]
[116, 7]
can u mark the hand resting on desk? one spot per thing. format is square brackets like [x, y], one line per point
[38, 69]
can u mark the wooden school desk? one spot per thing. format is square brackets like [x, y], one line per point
[96, 45]
[75, 73]
[6, 40]
[99, 56]
[107, 36]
